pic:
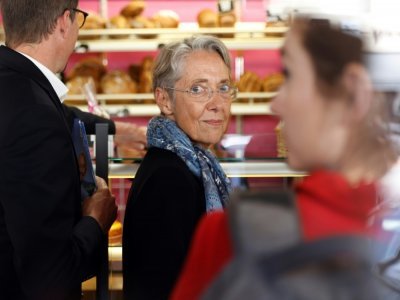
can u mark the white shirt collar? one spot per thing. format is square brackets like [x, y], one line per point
[58, 86]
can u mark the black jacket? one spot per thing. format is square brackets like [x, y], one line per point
[46, 247]
[165, 203]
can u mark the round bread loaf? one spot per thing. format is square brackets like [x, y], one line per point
[143, 22]
[272, 82]
[166, 18]
[75, 85]
[207, 18]
[133, 9]
[89, 67]
[118, 82]
[249, 82]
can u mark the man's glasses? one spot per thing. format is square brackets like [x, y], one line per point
[80, 16]
[203, 93]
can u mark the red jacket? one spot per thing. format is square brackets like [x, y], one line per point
[327, 204]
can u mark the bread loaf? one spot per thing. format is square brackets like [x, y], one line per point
[133, 9]
[207, 18]
[89, 67]
[118, 82]
[166, 18]
[272, 82]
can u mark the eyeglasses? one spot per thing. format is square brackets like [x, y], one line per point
[80, 16]
[204, 93]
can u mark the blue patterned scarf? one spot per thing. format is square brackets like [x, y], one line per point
[165, 134]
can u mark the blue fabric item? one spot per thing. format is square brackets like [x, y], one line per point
[165, 134]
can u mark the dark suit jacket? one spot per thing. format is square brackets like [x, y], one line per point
[165, 203]
[90, 120]
[46, 247]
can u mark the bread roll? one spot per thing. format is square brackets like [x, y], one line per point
[133, 9]
[145, 82]
[207, 18]
[75, 85]
[249, 82]
[147, 64]
[90, 67]
[143, 23]
[272, 82]
[166, 18]
[118, 82]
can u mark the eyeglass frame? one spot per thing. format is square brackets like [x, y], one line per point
[233, 94]
[85, 15]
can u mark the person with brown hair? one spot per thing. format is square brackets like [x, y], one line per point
[333, 130]
[49, 237]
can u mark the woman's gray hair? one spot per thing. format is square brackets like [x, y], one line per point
[169, 64]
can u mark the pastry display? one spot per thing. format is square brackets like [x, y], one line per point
[118, 82]
[115, 234]
[207, 18]
[133, 9]
[166, 18]
[272, 82]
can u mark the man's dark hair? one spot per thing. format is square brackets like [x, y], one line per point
[31, 21]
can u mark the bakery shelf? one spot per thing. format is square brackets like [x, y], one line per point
[140, 109]
[248, 169]
[246, 36]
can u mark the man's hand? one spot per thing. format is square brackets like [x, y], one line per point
[130, 136]
[101, 206]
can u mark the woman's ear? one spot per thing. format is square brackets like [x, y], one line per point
[163, 101]
[359, 87]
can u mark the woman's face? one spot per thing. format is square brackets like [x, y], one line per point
[314, 128]
[206, 121]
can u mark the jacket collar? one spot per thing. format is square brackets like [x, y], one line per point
[21, 64]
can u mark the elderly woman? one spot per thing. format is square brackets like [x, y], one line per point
[333, 130]
[179, 179]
